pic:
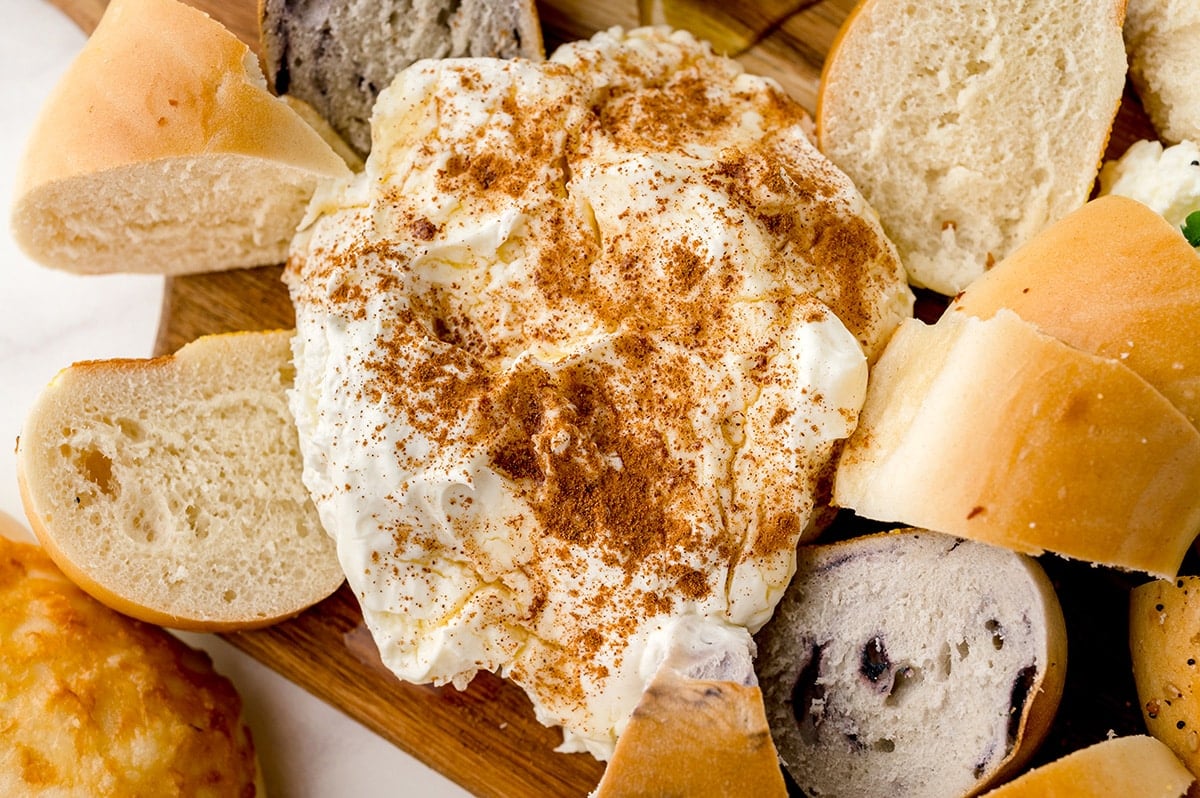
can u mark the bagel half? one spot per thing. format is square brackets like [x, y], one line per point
[990, 430]
[971, 126]
[170, 488]
[1115, 279]
[162, 151]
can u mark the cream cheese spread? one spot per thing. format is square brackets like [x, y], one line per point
[1165, 178]
[574, 355]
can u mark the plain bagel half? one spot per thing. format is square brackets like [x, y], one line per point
[990, 430]
[162, 151]
[170, 488]
[970, 126]
[1113, 278]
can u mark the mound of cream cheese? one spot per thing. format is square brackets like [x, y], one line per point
[1165, 178]
[574, 355]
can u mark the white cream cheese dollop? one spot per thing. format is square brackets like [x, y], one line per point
[574, 355]
[1165, 178]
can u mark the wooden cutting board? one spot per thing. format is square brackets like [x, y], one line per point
[485, 738]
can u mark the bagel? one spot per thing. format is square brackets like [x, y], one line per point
[1161, 37]
[338, 56]
[993, 431]
[864, 700]
[1164, 622]
[170, 488]
[971, 126]
[161, 151]
[1133, 765]
[1062, 281]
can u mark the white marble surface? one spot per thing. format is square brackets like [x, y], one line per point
[49, 320]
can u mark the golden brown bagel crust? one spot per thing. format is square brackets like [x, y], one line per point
[990, 430]
[1113, 278]
[696, 737]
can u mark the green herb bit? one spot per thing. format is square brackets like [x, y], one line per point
[1191, 228]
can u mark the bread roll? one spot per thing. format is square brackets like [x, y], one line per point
[1134, 766]
[1164, 625]
[161, 150]
[339, 55]
[170, 488]
[990, 430]
[1163, 41]
[970, 126]
[911, 664]
[1114, 279]
[96, 703]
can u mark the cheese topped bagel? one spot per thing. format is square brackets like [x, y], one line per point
[96, 703]
[573, 358]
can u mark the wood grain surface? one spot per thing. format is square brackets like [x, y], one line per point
[485, 738]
